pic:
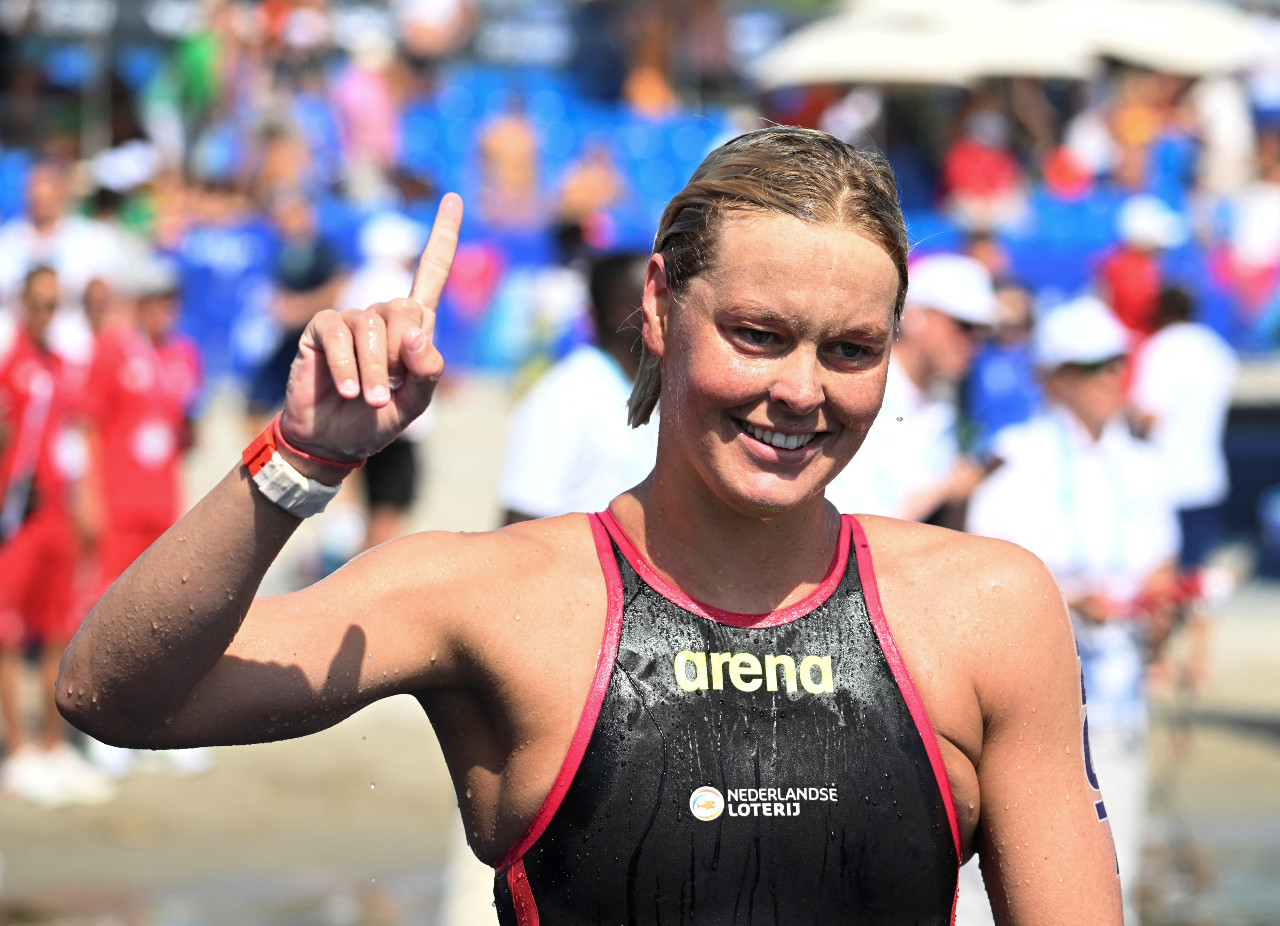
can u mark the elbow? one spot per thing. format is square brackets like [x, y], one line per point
[75, 700]
[80, 703]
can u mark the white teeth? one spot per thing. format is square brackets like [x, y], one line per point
[778, 439]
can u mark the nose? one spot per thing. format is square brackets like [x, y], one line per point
[798, 383]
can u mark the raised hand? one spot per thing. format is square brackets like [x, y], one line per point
[361, 375]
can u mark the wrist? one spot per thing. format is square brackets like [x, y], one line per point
[314, 466]
[280, 480]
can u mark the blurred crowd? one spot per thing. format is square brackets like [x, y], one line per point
[1092, 258]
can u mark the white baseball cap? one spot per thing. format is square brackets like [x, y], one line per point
[1145, 221]
[955, 285]
[1083, 330]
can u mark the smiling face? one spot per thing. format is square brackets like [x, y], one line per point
[773, 361]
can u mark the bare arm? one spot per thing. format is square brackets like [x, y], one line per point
[1046, 855]
[160, 638]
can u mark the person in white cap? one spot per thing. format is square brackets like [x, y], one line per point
[910, 465]
[1077, 489]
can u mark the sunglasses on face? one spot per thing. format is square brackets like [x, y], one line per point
[1109, 365]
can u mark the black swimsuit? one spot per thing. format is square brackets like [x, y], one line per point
[742, 769]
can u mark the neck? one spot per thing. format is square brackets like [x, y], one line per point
[45, 225]
[729, 559]
[1090, 427]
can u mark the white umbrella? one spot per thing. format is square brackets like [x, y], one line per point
[1189, 37]
[920, 41]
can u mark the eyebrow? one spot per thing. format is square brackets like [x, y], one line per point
[771, 315]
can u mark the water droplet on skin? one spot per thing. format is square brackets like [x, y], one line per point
[185, 578]
[372, 786]
[468, 793]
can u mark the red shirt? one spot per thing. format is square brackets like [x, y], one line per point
[34, 455]
[972, 169]
[1132, 280]
[137, 400]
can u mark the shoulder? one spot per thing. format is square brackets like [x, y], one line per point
[980, 605]
[949, 564]
[463, 571]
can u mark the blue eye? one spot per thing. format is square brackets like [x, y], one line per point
[755, 336]
[848, 351]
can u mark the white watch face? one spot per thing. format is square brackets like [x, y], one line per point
[291, 490]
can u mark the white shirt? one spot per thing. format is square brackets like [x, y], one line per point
[911, 446]
[1098, 515]
[1183, 376]
[569, 447]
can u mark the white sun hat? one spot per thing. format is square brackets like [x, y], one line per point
[955, 285]
[1083, 330]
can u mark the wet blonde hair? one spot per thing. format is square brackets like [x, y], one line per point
[803, 173]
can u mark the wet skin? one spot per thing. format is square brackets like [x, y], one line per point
[497, 634]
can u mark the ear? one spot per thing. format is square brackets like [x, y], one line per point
[656, 304]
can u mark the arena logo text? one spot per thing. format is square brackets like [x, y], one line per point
[702, 671]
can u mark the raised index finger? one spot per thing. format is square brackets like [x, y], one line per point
[437, 257]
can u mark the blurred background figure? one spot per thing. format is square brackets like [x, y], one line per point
[367, 97]
[391, 479]
[39, 466]
[1181, 394]
[142, 395]
[507, 149]
[308, 274]
[569, 447]
[1002, 387]
[431, 32]
[592, 185]
[50, 233]
[911, 464]
[1131, 274]
[141, 399]
[1077, 489]
[981, 179]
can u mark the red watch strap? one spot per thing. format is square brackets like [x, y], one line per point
[260, 450]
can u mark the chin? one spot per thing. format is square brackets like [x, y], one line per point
[770, 501]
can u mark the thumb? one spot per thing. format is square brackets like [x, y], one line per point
[423, 366]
